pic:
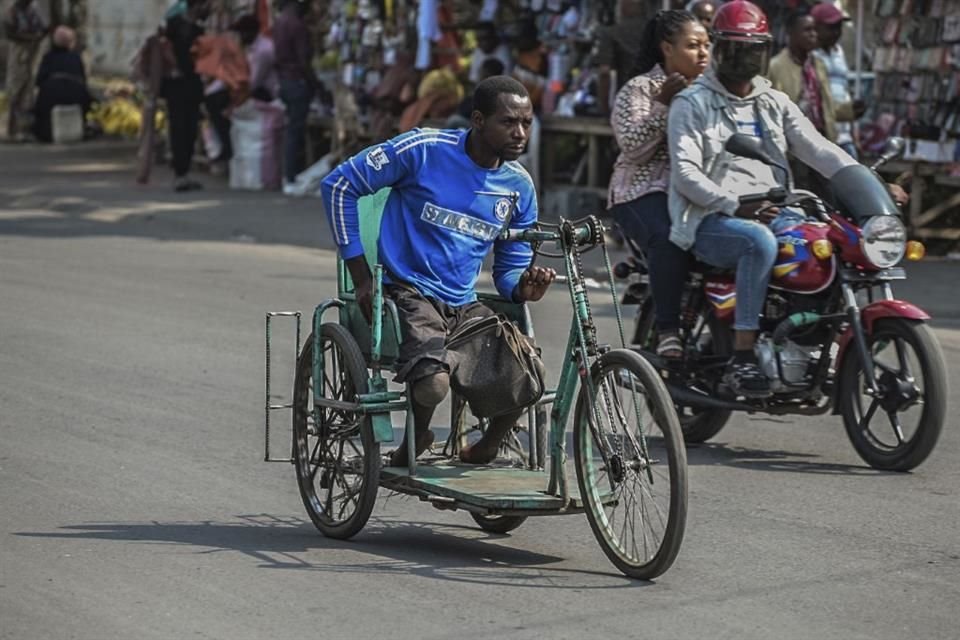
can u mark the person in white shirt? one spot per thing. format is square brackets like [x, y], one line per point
[829, 22]
[489, 45]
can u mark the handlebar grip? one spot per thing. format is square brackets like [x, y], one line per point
[754, 198]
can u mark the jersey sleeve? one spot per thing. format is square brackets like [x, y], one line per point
[376, 167]
[511, 259]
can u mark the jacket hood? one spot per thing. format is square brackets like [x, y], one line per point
[709, 80]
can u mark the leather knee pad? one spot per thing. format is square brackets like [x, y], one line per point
[430, 391]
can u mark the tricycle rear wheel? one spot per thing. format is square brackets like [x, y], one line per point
[498, 524]
[631, 469]
[335, 454]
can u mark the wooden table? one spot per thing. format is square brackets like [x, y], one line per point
[595, 130]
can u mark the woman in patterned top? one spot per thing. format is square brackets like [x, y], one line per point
[676, 51]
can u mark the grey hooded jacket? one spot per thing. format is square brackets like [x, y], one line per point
[700, 122]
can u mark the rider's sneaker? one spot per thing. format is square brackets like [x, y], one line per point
[746, 379]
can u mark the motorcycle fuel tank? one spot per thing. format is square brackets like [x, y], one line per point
[798, 268]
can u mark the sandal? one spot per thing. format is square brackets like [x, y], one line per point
[670, 347]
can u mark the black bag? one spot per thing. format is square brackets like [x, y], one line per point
[494, 366]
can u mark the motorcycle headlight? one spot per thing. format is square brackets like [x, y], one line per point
[884, 241]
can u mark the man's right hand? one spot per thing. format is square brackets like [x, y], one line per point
[674, 84]
[760, 211]
[362, 285]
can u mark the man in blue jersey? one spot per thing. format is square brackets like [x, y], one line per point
[450, 198]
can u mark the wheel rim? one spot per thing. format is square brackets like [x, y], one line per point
[891, 420]
[330, 447]
[628, 475]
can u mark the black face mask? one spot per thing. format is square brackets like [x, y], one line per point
[742, 61]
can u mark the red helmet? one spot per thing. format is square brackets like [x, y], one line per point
[741, 41]
[741, 20]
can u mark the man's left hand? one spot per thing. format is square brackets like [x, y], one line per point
[898, 194]
[534, 283]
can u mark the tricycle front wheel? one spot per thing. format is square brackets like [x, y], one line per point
[335, 454]
[631, 465]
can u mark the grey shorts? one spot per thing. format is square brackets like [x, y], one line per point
[425, 324]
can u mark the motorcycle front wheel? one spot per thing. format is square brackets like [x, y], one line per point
[898, 428]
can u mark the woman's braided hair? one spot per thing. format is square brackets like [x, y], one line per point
[662, 27]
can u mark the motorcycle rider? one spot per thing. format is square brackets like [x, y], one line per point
[706, 182]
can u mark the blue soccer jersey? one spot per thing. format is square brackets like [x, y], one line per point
[442, 216]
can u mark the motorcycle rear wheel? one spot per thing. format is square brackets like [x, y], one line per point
[876, 426]
[697, 425]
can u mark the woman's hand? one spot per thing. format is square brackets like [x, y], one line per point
[674, 84]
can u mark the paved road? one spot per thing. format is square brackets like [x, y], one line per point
[133, 503]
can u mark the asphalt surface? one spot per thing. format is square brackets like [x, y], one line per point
[134, 502]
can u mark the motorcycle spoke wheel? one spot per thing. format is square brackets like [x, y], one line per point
[336, 458]
[897, 429]
[631, 465]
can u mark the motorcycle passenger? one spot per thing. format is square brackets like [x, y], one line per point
[442, 217]
[676, 52]
[706, 181]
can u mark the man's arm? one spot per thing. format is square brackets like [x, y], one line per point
[384, 165]
[687, 173]
[512, 259]
[809, 146]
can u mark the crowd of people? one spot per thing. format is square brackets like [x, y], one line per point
[34, 91]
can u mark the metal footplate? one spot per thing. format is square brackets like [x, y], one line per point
[268, 406]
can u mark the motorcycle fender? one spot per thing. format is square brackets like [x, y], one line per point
[876, 310]
[873, 312]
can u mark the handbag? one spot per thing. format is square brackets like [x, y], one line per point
[494, 366]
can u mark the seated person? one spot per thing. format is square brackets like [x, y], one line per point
[675, 52]
[439, 223]
[706, 182]
[61, 80]
[489, 47]
[438, 96]
[461, 119]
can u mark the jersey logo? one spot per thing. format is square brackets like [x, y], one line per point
[502, 209]
[377, 159]
[459, 222]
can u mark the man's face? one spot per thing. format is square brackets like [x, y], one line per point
[507, 130]
[487, 41]
[705, 12]
[803, 36]
[829, 34]
[740, 61]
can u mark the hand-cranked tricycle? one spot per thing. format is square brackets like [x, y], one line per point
[629, 455]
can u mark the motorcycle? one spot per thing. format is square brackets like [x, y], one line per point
[833, 338]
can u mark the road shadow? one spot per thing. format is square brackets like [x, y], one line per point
[433, 550]
[721, 453]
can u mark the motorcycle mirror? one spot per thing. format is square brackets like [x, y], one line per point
[894, 146]
[740, 144]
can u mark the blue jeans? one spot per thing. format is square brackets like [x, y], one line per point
[296, 96]
[751, 248]
[646, 221]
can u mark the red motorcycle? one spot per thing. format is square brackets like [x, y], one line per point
[832, 335]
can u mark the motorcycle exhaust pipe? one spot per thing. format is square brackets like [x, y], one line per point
[697, 400]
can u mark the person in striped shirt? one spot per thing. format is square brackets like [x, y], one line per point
[452, 193]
